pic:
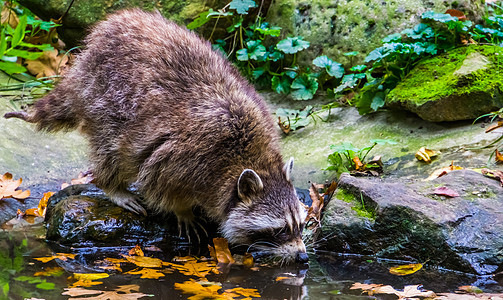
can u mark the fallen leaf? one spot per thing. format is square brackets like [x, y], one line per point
[145, 262]
[409, 291]
[314, 212]
[48, 64]
[147, 273]
[426, 154]
[42, 204]
[414, 291]
[61, 256]
[121, 293]
[445, 191]
[201, 291]
[498, 156]
[87, 279]
[456, 13]
[136, 251]
[442, 171]
[359, 166]
[470, 289]
[248, 260]
[8, 188]
[247, 293]
[495, 174]
[222, 252]
[405, 269]
[493, 127]
[53, 271]
[285, 128]
[192, 267]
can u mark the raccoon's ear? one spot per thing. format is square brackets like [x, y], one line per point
[287, 169]
[249, 183]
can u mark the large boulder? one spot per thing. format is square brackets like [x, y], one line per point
[461, 84]
[408, 221]
[336, 27]
[83, 14]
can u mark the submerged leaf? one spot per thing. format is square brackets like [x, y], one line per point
[405, 269]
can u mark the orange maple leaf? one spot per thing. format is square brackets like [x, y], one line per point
[8, 188]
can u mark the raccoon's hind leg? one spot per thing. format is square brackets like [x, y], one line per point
[114, 179]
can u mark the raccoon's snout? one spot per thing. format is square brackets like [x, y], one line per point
[301, 257]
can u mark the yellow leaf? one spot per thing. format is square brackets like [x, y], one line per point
[136, 251]
[405, 269]
[147, 273]
[61, 256]
[145, 262]
[89, 276]
[248, 260]
[498, 156]
[42, 204]
[249, 293]
[358, 164]
[192, 267]
[222, 251]
[201, 291]
[55, 271]
[441, 172]
[426, 154]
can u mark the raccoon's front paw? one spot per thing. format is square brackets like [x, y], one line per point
[188, 221]
[128, 201]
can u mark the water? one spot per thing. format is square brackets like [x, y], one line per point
[328, 276]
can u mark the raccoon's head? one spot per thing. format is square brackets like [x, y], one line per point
[268, 216]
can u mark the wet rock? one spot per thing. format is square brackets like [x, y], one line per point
[337, 27]
[406, 220]
[80, 215]
[461, 84]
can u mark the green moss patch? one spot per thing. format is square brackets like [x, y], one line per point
[357, 204]
[446, 75]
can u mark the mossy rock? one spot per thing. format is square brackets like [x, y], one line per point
[83, 14]
[460, 84]
[336, 27]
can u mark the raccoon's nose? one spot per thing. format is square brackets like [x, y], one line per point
[301, 257]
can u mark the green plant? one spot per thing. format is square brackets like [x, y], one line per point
[13, 45]
[259, 53]
[346, 156]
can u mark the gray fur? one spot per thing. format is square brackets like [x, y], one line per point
[161, 108]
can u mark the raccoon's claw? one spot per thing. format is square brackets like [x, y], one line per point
[129, 202]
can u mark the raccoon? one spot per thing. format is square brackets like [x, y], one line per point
[161, 108]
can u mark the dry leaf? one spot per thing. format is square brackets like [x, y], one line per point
[122, 292]
[147, 273]
[145, 262]
[314, 212]
[359, 166]
[248, 260]
[247, 293]
[42, 204]
[441, 172]
[470, 289]
[136, 251]
[426, 154]
[200, 290]
[409, 291]
[492, 127]
[222, 252]
[405, 269]
[8, 188]
[53, 271]
[445, 191]
[9, 17]
[498, 156]
[61, 256]
[87, 279]
[47, 65]
[456, 13]
[285, 128]
[192, 267]
[495, 174]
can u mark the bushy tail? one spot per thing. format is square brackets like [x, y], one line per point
[53, 112]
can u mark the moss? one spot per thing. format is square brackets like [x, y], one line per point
[356, 204]
[435, 78]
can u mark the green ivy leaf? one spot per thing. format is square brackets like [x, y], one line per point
[304, 87]
[257, 72]
[236, 23]
[292, 45]
[395, 37]
[333, 68]
[242, 6]
[281, 84]
[377, 101]
[439, 17]
[266, 30]
[358, 68]
[276, 55]
[256, 50]
[242, 54]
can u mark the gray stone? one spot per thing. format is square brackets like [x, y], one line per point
[410, 222]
